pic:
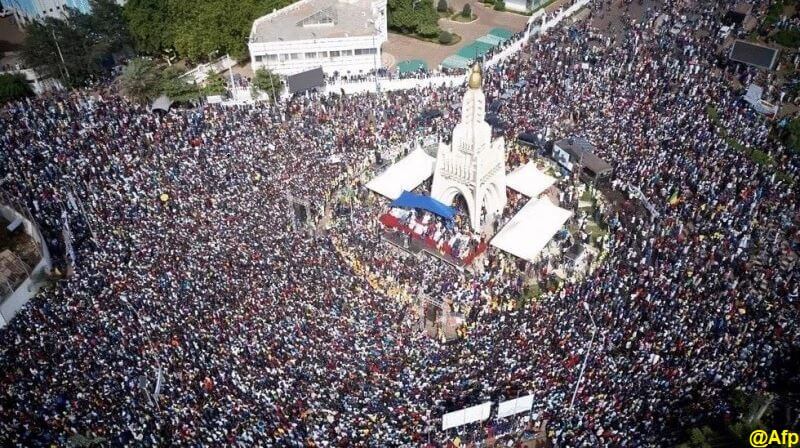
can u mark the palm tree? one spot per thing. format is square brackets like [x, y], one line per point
[140, 80]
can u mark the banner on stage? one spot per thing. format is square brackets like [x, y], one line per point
[515, 406]
[467, 415]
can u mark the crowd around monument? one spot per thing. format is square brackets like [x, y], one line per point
[186, 260]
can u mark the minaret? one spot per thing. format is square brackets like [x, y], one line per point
[472, 164]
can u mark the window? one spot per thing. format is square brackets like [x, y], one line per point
[327, 16]
[259, 58]
[347, 52]
[363, 51]
[284, 57]
[272, 57]
[311, 55]
[334, 54]
[294, 56]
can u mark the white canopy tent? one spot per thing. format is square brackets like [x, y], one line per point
[531, 229]
[529, 181]
[407, 174]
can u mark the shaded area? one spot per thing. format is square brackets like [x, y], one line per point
[11, 37]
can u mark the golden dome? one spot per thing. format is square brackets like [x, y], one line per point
[475, 77]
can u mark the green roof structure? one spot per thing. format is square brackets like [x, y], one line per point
[412, 65]
[475, 50]
[455, 61]
[491, 40]
[501, 32]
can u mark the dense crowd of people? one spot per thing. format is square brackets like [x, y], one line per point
[187, 261]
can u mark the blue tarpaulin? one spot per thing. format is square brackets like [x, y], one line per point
[413, 200]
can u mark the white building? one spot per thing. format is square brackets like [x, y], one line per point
[472, 164]
[343, 36]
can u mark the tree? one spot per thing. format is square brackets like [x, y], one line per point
[141, 80]
[466, 12]
[266, 81]
[198, 28]
[150, 24]
[214, 84]
[445, 38]
[13, 87]
[85, 41]
[413, 16]
[792, 138]
[442, 6]
[499, 5]
[788, 37]
[39, 49]
[177, 88]
[48, 41]
[427, 30]
[108, 22]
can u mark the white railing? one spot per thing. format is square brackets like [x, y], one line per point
[387, 84]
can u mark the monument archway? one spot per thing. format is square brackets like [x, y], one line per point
[472, 163]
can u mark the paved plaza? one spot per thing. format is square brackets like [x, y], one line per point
[405, 47]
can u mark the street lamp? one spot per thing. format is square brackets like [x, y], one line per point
[586, 357]
[376, 33]
[375, 60]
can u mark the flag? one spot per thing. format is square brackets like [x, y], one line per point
[674, 198]
[159, 382]
[66, 234]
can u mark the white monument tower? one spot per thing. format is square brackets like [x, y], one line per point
[472, 164]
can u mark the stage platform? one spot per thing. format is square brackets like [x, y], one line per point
[402, 237]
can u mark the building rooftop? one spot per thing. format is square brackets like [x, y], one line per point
[753, 54]
[316, 19]
[581, 149]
